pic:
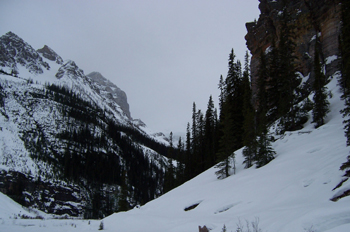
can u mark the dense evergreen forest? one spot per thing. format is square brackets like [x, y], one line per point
[97, 151]
[281, 100]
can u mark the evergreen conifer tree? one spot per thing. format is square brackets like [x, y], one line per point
[249, 134]
[321, 103]
[169, 179]
[344, 81]
[209, 133]
[226, 145]
[195, 141]
[188, 153]
[201, 154]
[265, 152]
[123, 204]
[180, 172]
[233, 104]
[288, 80]
[222, 96]
[231, 117]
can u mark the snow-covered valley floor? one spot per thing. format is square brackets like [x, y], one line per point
[292, 193]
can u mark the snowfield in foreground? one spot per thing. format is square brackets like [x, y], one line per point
[292, 193]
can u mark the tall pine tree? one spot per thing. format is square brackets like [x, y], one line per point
[265, 152]
[189, 173]
[321, 103]
[169, 179]
[288, 80]
[209, 133]
[249, 126]
[231, 117]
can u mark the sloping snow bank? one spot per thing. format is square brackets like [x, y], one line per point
[289, 194]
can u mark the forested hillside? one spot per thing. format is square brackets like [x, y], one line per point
[67, 146]
[272, 91]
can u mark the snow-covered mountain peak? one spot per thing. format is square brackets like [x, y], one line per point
[69, 69]
[72, 133]
[50, 54]
[15, 51]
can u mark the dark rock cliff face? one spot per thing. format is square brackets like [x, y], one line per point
[311, 17]
[14, 51]
[50, 54]
[53, 198]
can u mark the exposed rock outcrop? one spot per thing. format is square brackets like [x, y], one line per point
[53, 198]
[110, 91]
[70, 69]
[50, 54]
[14, 51]
[310, 17]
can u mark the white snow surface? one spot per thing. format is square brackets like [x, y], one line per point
[291, 193]
[330, 59]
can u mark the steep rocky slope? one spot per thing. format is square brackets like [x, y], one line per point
[311, 18]
[110, 92]
[68, 144]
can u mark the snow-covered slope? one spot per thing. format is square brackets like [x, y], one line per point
[292, 193]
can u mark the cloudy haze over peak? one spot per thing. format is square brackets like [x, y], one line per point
[164, 54]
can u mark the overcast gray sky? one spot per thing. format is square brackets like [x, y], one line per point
[164, 54]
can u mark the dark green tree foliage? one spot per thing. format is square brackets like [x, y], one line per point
[234, 100]
[264, 153]
[226, 147]
[288, 80]
[209, 135]
[189, 173]
[201, 144]
[123, 204]
[89, 159]
[344, 81]
[344, 47]
[231, 116]
[169, 179]
[321, 104]
[196, 140]
[222, 96]
[224, 166]
[200, 139]
[249, 125]
[262, 94]
[180, 171]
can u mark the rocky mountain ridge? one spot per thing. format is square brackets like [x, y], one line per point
[67, 146]
[14, 51]
[50, 54]
[110, 91]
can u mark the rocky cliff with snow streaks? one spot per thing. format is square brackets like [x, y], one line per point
[310, 18]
